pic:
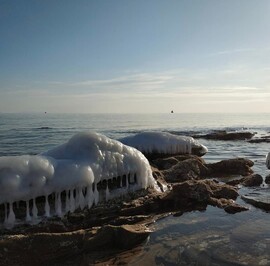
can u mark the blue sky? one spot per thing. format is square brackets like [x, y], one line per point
[134, 56]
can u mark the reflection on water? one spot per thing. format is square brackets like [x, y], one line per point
[212, 237]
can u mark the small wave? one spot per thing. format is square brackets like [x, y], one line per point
[44, 128]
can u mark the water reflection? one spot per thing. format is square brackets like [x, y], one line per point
[212, 237]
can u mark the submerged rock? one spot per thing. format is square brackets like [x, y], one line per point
[259, 198]
[53, 248]
[236, 166]
[224, 135]
[248, 181]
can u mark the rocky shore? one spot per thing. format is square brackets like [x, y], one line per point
[96, 235]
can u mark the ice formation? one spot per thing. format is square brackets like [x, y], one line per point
[75, 175]
[165, 143]
[268, 160]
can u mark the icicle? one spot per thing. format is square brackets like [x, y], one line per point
[47, 207]
[131, 179]
[81, 199]
[127, 181]
[67, 204]
[107, 193]
[58, 210]
[34, 209]
[72, 201]
[96, 195]
[77, 199]
[89, 196]
[11, 216]
[6, 213]
[28, 216]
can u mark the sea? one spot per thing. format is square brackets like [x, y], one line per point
[211, 237]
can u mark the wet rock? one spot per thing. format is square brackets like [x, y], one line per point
[248, 181]
[48, 248]
[183, 170]
[263, 139]
[236, 166]
[259, 198]
[194, 193]
[188, 167]
[224, 135]
[228, 205]
[267, 179]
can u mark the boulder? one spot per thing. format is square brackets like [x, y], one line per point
[187, 167]
[248, 181]
[267, 179]
[236, 166]
[53, 248]
[193, 194]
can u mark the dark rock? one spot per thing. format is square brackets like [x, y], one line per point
[224, 135]
[264, 139]
[187, 167]
[267, 179]
[237, 166]
[259, 199]
[248, 181]
[198, 192]
[253, 180]
[228, 205]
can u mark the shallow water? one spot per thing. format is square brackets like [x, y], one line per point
[212, 237]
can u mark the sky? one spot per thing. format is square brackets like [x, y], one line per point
[126, 56]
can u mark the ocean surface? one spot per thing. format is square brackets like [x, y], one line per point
[212, 237]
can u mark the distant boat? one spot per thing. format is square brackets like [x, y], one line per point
[171, 111]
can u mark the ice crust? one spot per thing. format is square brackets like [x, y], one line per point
[162, 142]
[71, 170]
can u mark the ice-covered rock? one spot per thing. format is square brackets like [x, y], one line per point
[164, 143]
[77, 174]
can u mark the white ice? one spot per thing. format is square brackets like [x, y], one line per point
[74, 168]
[162, 142]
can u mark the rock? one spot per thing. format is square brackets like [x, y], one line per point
[224, 135]
[182, 171]
[260, 199]
[264, 139]
[248, 181]
[49, 248]
[182, 168]
[228, 205]
[120, 237]
[267, 179]
[237, 166]
[195, 193]
[159, 177]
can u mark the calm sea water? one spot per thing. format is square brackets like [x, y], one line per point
[36, 133]
[212, 237]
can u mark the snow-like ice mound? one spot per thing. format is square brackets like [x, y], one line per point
[164, 143]
[88, 167]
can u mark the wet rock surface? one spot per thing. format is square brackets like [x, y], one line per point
[253, 180]
[224, 135]
[259, 199]
[90, 236]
